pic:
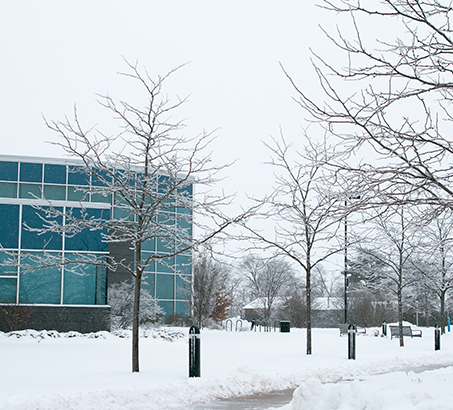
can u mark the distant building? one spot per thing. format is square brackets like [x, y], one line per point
[55, 298]
[326, 312]
[255, 309]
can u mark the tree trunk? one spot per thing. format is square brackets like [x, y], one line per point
[136, 324]
[442, 312]
[400, 315]
[136, 312]
[308, 293]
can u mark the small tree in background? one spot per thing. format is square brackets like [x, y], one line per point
[266, 282]
[121, 300]
[212, 290]
[294, 307]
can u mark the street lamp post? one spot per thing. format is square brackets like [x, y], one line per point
[346, 280]
[345, 266]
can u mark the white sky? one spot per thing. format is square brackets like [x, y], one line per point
[56, 54]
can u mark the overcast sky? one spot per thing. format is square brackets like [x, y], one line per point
[55, 54]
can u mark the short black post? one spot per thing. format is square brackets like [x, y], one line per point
[384, 328]
[436, 338]
[194, 352]
[351, 342]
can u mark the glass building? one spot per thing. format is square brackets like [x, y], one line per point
[26, 182]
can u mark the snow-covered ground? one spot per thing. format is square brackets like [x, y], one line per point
[52, 371]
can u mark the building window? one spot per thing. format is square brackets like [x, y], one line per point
[36, 218]
[54, 174]
[8, 171]
[30, 172]
[9, 232]
[42, 285]
[84, 284]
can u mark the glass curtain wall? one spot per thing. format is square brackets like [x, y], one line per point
[23, 183]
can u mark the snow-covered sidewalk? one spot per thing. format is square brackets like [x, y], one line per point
[94, 373]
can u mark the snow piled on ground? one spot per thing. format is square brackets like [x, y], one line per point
[399, 390]
[46, 370]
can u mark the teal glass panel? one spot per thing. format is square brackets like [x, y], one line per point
[8, 171]
[182, 309]
[30, 172]
[186, 191]
[183, 287]
[101, 286]
[54, 174]
[55, 192]
[36, 218]
[166, 184]
[185, 227]
[100, 178]
[165, 219]
[84, 284]
[168, 205]
[151, 266]
[149, 245]
[184, 210]
[165, 264]
[123, 177]
[167, 307]
[148, 283]
[8, 190]
[41, 285]
[77, 195]
[9, 232]
[89, 240]
[97, 197]
[121, 213]
[184, 264]
[7, 270]
[8, 290]
[165, 245]
[78, 176]
[30, 191]
[165, 286]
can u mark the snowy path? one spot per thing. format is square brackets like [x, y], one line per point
[276, 399]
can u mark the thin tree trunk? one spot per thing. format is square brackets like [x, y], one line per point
[308, 293]
[136, 312]
[400, 316]
[442, 312]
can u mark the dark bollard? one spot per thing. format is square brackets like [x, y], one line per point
[351, 342]
[194, 352]
[384, 328]
[436, 338]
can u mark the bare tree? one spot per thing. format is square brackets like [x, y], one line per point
[121, 299]
[294, 307]
[212, 294]
[307, 204]
[395, 234]
[266, 280]
[397, 100]
[147, 172]
[434, 262]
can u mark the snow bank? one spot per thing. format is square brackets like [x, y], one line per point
[400, 390]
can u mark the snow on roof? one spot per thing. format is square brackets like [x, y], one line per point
[327, 303]
[260, 302]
